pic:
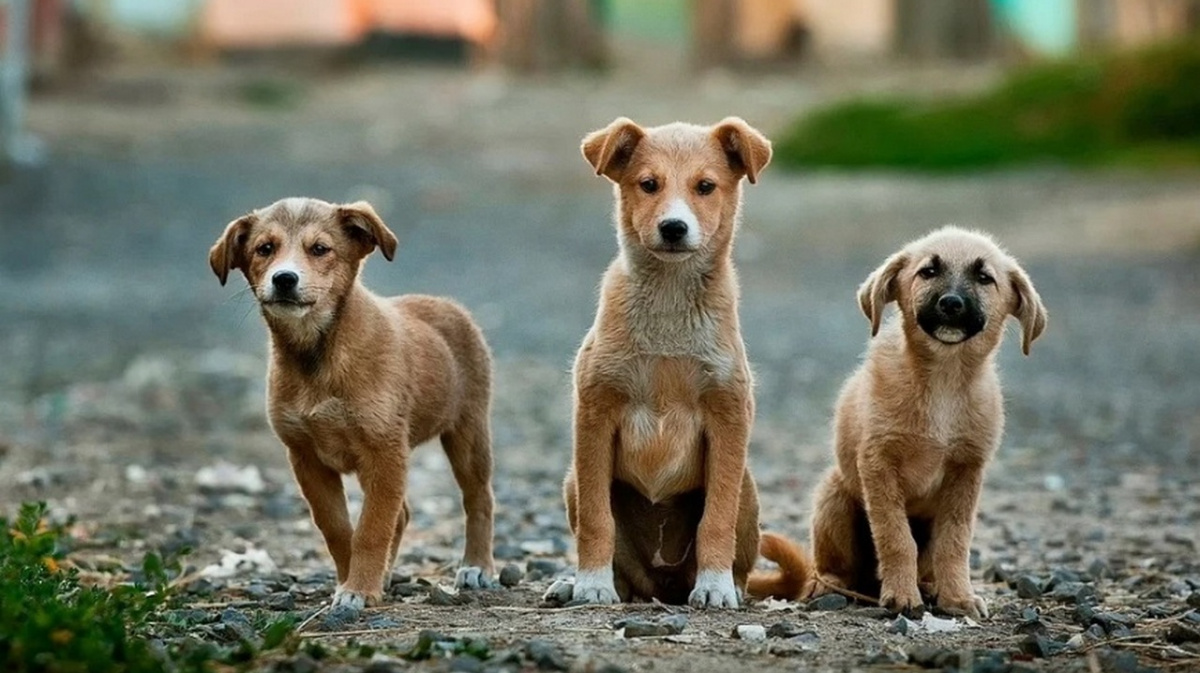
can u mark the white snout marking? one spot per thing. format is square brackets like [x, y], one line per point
[288, 264]
[678, 209]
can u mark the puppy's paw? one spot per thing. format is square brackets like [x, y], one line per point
[473, 577]
[345, 599]
[714, 589]
[596, 587]
[905, 600]
[970, 605]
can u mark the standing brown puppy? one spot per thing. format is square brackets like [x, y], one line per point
[917, 423]
[659, 496]
[356, 381]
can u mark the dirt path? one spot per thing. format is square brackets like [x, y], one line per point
[127, 370]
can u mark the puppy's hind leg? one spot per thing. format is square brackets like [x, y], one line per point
[401, 524]
[837, 550]
[469, 449]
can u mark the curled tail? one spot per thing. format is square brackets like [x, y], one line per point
[795, 569]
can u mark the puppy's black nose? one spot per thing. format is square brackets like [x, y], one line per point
[951, 304]
[672, 231]
[285, 281]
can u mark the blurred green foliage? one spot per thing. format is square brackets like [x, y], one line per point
[1133, 108]
[50, 622]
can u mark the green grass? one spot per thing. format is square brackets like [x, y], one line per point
[50, 622]
[1138, 108]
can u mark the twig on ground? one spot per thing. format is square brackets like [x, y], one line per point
[320, 611]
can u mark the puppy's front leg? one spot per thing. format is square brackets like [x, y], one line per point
[382, 475]
[727, 429]
[595, 531]
[888, 518]
[951, 541]
[322, 489]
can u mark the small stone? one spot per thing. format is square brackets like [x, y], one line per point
[439, 596]
[638, 627]
[560, 592]
[1192, 616]
[1076, 642]
[784, 630]
[1179, 634]
[1041, 646]
[1193, 600]
[1099, 569]
[546, 655]
[1083, 614]
[928, 656]
[465, 664]
[903, 626]
[828, 603]
[751, 633]
[873, 613]
[1095, 632]
[339, 618]
[1028, 586]
[238, 623]
[511, 575]
[282, 601]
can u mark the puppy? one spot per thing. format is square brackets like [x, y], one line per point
[356, 381]
[917, 423]
[659, 497]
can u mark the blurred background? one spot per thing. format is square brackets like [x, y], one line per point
[132, 131]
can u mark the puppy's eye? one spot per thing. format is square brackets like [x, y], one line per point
[319, 250]
[985, 278]
[649, 185]
[928, 272]
[705, 187]
[265, 249]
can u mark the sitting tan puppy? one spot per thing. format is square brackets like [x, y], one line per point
[917, 423]
[659, 497]
[357, 381]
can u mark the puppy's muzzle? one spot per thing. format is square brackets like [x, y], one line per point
[285, 282]
[952, 318]
[673, 232]
[285, 290]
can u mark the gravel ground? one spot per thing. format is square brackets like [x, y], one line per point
[131, 394]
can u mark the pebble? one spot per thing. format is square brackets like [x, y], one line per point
[1179, 634]
[464, 664]
[1028, 586]
[785, 630]
[828, 603]
[1041, 646]
[751, 633]
[639, 627]
[282, 601]
[873, 613]
[546, 655]
[903, 626]
[560, 592]
[339, 618]
[511, 575]
[238, 622]
[928, 656]
[439, 596]
[1193, 600]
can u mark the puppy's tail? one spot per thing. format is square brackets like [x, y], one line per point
[795, 569]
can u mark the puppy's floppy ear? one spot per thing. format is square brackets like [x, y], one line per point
[363, 221]
[880, 288]
[229, 252]
[1027, 307]
[748, 151]
[609, 149]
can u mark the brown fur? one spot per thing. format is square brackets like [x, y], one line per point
[915, 427]
[355, 381]
[659, 496]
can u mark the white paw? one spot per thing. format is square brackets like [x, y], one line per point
[595, 586]
[348, 599]
[473, 577]
[714, 589]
